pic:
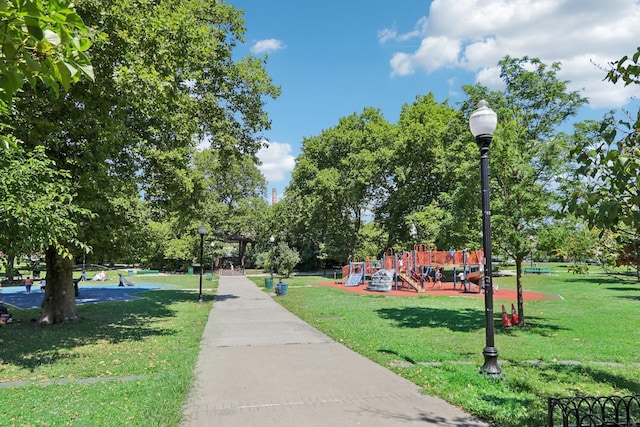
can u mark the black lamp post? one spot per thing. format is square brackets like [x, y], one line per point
[201, 230]
[272, 240]
[483, 123]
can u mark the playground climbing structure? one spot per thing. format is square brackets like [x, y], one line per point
[413, 270]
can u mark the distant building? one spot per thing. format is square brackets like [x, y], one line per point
[274, 197]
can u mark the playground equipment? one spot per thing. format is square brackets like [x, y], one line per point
[356, 274]
[413, 269]
[381, 281]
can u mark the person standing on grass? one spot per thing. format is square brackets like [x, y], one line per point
[28, 283]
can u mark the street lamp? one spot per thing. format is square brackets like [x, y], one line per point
[483, 123]
[202, 231]
[272, 240]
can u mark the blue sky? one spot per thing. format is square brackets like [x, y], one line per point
[335, 58]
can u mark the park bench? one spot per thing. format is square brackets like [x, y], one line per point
[538, 270]
[614, 411]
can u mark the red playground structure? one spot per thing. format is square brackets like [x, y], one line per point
[414, 270]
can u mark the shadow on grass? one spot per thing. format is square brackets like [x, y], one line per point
[419, 317]
[533, 325]
[631, 291]
[596, 280]
[465, 320]
[572, 378]
[28, 345]
[395, 353]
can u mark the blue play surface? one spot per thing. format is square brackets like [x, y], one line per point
[18, 297]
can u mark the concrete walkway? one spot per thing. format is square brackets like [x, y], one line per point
[259, 365]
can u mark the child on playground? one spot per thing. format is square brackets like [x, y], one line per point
[438, 278]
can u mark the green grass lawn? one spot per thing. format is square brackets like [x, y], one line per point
[125, 364]
[132, 363]
[583, 344]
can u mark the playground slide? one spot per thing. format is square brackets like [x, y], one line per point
[354, 280]
[415, 284]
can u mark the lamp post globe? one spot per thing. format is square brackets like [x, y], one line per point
[483, 122]
[202, 230]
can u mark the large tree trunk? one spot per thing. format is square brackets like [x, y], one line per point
[519, 288]
[10, 266]
[242, 251]
[59, 303]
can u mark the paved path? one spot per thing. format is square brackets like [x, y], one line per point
[259, 365]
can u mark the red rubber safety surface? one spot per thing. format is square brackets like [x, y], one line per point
[447, 290]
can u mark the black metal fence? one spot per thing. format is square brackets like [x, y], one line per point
[591, 411]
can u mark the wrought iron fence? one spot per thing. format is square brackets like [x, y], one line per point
[592, 411]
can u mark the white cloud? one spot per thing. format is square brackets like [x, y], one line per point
[386, 35]
[277, 161]
[392, 34]
[267, 45]
[473, 36]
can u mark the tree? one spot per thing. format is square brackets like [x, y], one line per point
[233, 192]
[570, 239]
[166, 78]
[286, 259]
[336, 183]
[528, 154]
[43, 42]
[604, 191]
[428, 165]
[36, 208]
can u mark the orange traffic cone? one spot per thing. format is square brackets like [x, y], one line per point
[515, 319]
[506, 322]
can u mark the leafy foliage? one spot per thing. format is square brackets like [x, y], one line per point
[285, 259]
[527, 156]
[43, 41]
[166, 78]
[36, 209]
[336, 183]
[427, 173]
[605, 185]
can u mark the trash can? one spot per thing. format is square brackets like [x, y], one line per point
[130, 272]
[282, 289]
[190, 270]
[268, 283]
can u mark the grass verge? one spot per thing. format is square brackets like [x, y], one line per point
[583, 344]
[126, 363]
